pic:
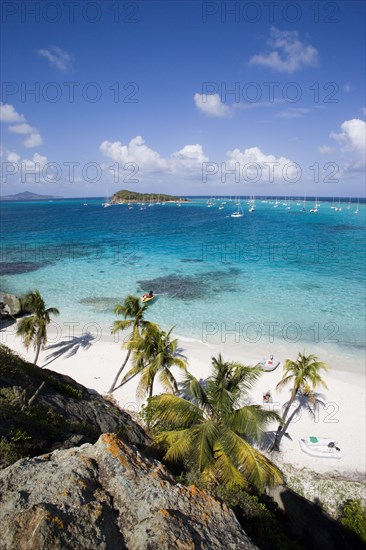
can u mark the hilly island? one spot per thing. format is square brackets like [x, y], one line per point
[125, 196]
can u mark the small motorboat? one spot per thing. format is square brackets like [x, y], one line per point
[147, 298]
[269, 364]
[320, 447]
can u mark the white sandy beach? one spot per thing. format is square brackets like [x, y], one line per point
[343, 418]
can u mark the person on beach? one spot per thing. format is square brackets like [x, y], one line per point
[270, 360]
[267, 397]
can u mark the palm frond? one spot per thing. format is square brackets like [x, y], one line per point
[257, 469]
[176, 412]
[251, 421]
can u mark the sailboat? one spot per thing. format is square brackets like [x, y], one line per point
[304, 207]
[338, 208]
[252, 203]
[315, 209]
[333, 205]
[356, 211]
[239, 212]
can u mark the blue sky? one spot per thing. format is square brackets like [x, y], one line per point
[151, 108]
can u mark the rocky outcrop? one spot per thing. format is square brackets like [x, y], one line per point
[62, 415]
[108, 496]
[12, 303]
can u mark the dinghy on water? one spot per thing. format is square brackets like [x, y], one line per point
[269, 364]
[321, 447]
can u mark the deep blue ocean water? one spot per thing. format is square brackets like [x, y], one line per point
[275, 273]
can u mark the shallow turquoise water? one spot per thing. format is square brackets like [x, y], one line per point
[276, 273]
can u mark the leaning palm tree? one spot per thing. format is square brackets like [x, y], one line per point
[33, 329]
[305, 376]
[154, 353]
[133, 312]
[211, 428]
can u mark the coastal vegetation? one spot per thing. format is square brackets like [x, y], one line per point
[208, 429]
[134, 318]
[304, 373]
[125, 196]
[33, 329]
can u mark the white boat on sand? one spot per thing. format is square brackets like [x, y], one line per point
[269, 364]
[320, 447]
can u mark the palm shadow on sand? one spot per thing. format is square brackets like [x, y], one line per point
[69, 347]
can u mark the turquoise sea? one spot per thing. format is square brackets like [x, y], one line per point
[274, 274]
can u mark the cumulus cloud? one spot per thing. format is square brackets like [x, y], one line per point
[135, 152]
[9, 114]
[57, 58]
[21, 128]
[352, 141]
[211, 105]
[36, 163]
[289, 53]
[254, 165]
[33, 140]
[352, 136]
[189, 158]
[186, 161]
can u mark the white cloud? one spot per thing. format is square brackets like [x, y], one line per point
[33, 140]
[325, 149]
[211, 105]
[36, 163]
[136, 152]
[186, 161]
[352, 140]
[353, 135]
[9, 114]
[21, 129]
[12, 156]
[258, 166]
[57, 57]
[189, 158]
[293, 112]
[289, 53]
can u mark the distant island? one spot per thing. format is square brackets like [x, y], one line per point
[125, 196]
[28, 196]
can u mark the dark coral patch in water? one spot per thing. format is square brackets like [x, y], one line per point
[16, 268]
[191, 287]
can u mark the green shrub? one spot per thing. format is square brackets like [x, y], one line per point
[353, 517]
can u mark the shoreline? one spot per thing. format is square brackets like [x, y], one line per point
[94, 364]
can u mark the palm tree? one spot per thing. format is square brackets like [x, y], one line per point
[133, 312]
[210, 427]
[304, 373]
[154, 354]
[33, 329]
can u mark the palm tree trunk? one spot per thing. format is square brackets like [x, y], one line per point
[125, 382]
[280, 432]
[28, 403]
[113, 386]
[37, 353]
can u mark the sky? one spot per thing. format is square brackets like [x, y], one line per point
[192, 98]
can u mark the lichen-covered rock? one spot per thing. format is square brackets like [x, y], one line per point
[108, 496]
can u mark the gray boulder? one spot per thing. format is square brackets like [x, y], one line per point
[109, 496]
